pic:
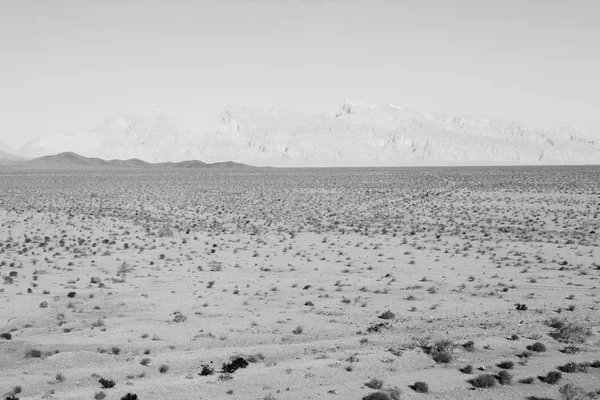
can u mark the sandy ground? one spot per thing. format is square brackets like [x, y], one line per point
[115, 274]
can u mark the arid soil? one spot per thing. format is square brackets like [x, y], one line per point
[331, 284]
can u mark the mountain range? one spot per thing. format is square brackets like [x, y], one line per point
[355, 134]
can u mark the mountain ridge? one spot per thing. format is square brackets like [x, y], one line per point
[355, 134]
[71, 159]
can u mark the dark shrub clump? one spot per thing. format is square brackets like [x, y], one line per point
[234, 365]
[538, 347]
[506, 365]
[106, 383]
[552, 377]
[420, 387]
[374, 384]
[377, 396]
[467, 370]
[483, 381]
[504, 378]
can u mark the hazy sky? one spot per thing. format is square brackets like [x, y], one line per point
[66, 65]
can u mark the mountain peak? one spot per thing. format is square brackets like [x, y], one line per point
[357, 134]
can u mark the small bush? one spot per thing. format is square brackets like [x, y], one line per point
[572, 333]
[394, 392]
[504, 378]
[377, 396]
[469, 346]
[234, 365]
[207, 370]
[71, 294]
[163, 369]
[467, 370]
[99, 395]
[130, 396]
[572, 392]
[538, 347]
[145, 362]
[527, 381]
[441, 351]
[387, 315]
[298, 330]
[483, 381]
[595, 364]
[33, 353]
[420, 387]
[569, 367]
[555, 323]
[374, 384]
[506, 365]
[6, 336]
[552, 377]
[106, 383]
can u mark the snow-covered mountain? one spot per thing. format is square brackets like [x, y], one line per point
[354, 135]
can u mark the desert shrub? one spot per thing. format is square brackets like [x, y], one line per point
[441, 351]
[6, 336]
[374, 384]
[467, 370]
[298, 330]
[207, 370]
[179, 317]
[130, 396]
[234, 365]
[555, 323]
[12, 398]
[570, 350]
[106, 383]
[527, 381]
[572, 333]
[115, 350]
[569, 367]
[552, 377]
[420, 387]
[163, 369]
[469, 346]
[539, 398]
[60, 378]
[538, 347]
[377, 396]
[595, 364]
[99, 395]
[572, 392]
[504, 378]
[145, 362]
[483, 381]
[387, 315]
[71, 294]
[33, 353]
[506, 365]
[394, 392]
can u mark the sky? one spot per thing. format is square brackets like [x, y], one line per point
[67, 65]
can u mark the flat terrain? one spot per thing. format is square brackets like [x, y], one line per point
[325, 281]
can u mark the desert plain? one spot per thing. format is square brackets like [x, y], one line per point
[386, 283]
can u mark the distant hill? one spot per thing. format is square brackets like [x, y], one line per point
[74, 160]
[7, 159]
